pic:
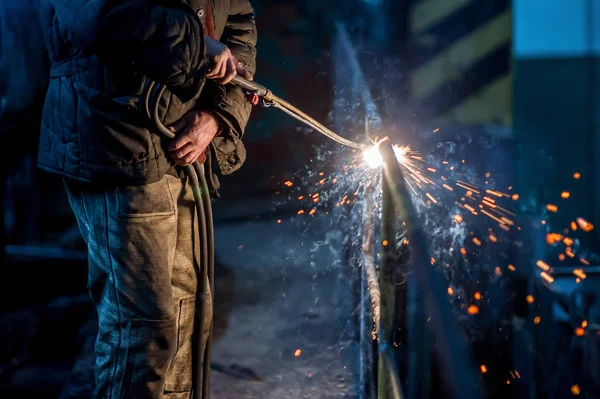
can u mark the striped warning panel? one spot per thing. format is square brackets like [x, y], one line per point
[460, 66]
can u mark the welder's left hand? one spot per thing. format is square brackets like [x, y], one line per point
[194, 132]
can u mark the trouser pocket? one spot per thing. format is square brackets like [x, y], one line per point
[179, 376]
[150, 347]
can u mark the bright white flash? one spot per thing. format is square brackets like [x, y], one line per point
[373, 157]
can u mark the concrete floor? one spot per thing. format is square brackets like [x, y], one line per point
[286, 290]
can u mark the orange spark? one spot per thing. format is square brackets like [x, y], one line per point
[477, 241]
[278, 221]
[585, 225]
[579, 273]
[463, 251]
[542, 265]
[584, 324]
[573, 226]
[530, 299]
[288, 183]
[515, 197]
[431, 198]
[301, 197]
[553, 238]
[565, 194]
[483, 368]
[575, 390]
[498, 271]
[568, 241]
[301, 211]
[458, 218]
[537, 319]
[477, 295]
[431, 170]
[496, 193]
[493, 238]
[312, 211]
[447, 187]
[561, 257]
[334, 181]
[580, 332]
[547, 277]
[577, 175]
[297, 352]
[584, 261]
[385, 243]
[436, 130]
[511, 268]
[552, 208]
[473, 309]
[450, 291]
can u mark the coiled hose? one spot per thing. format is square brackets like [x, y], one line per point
[151, 95]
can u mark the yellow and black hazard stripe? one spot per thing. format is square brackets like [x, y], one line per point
[460, 66]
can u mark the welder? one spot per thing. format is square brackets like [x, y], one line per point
[126, 183]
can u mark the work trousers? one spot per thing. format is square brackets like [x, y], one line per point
[143, 255]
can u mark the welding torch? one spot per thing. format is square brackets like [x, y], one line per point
[256, 92]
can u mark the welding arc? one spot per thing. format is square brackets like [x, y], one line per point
[152, 93]
[273, 100]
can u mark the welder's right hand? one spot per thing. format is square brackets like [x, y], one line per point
[224, 66]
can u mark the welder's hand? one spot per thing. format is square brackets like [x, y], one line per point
[224, 66]
[194, 132]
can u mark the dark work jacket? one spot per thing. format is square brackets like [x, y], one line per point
[102, 52]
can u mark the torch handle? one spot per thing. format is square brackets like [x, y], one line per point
[253, 87]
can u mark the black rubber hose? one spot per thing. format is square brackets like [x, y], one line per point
[210, 241]
[199, 186]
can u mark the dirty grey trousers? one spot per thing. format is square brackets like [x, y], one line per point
[143, 274]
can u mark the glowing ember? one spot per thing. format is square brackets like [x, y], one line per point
[297, 353]
[530, 299]
[580, 332]
[576, 175]
[450, 291]
[552, 208]
[547, 277]
[473, 309]
[565, 194]
[477, 296]
[483, 368]
[542, 265]
[278, 221]
[385, 243]
[584, 324]
[511, 268]
[458, 218]
[537, 319]
[553, 238]
[580, 273]
[575, 390]
[585, 225]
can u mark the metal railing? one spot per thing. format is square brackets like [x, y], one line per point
[404, 306]
[409, 294]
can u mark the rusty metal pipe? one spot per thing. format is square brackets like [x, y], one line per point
[460, 374]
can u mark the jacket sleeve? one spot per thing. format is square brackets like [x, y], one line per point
[229, 101]
[164, 39]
